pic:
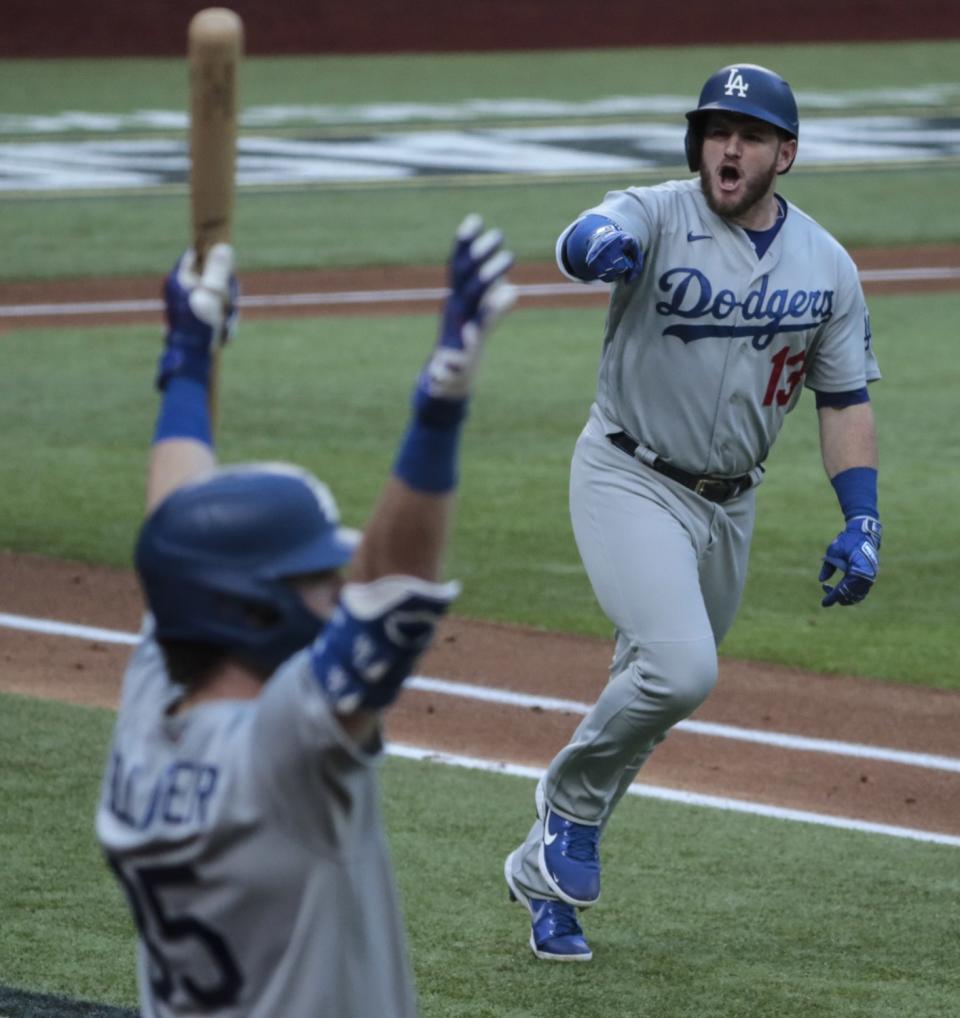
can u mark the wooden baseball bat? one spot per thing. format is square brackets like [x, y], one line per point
[214, 49]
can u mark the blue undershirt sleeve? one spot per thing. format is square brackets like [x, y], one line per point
[839, 400]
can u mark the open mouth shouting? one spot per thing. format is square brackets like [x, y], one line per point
[730, 177]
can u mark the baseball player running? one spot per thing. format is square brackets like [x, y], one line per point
[239, 808]
[726, 301]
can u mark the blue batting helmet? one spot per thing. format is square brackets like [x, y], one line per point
[749, 90]
[214, 556]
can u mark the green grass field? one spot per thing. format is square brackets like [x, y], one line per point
[410, 224]
[706, 915]
[283, 397]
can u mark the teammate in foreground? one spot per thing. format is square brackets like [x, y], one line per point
[239, 808]
[726, 301]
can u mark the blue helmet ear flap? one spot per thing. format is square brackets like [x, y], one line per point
[693, 144]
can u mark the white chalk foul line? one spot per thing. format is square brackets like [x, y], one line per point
[686, 798]
[779, 739]
[55, 628]
[528, 701]
[402, 296]
[51, 627]
[277, 300]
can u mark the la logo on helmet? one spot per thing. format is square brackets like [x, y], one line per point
[735, 83]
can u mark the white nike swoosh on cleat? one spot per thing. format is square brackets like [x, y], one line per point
[548, 838]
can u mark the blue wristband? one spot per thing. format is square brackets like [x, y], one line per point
[856, 490]
[427, 458]
[184, 412]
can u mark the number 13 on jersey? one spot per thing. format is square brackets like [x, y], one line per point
[783, 363]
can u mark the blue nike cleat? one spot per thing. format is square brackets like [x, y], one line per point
[570, 859]
[555, 934]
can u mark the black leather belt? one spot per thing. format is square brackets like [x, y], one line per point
[714, 489]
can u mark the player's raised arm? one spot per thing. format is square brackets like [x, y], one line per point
[201, 312]
[393, 598]
[408, 529]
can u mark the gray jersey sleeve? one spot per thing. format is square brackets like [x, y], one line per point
[631, 213]
[626, 210]
[842, 358]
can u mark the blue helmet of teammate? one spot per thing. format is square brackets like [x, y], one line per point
[214, 559]
[749, 90]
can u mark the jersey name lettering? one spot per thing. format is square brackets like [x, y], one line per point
[180, 795]
[769, 312]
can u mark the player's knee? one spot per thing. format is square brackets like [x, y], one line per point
[694, 687]
[681, 677]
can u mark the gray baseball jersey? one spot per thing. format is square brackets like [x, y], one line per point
[704, 354]
[273, 810]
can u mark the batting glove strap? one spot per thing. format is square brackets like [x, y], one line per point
[855, 552]
[376, 634]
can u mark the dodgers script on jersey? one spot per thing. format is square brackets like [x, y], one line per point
[707, 350]
[260, 801]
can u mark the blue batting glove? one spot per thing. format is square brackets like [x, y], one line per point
[854, 553]
[479, 295]
[201, 311]
[377, 632]
[613, 254]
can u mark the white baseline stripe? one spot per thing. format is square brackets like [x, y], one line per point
[51, 627]
[281, 300]
[90, 307]
[464, 690]
[685, 798]
[782, 740]
[403, 296]
[908, 275]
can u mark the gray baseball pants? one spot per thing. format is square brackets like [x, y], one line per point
[668, 569]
